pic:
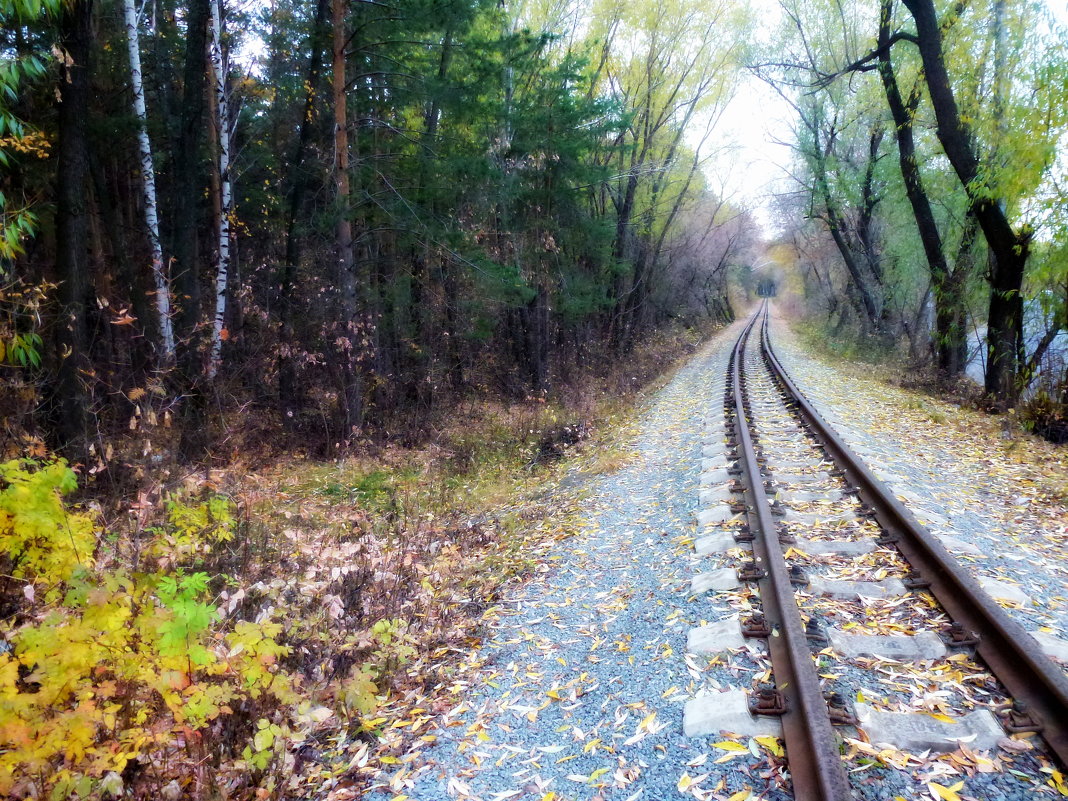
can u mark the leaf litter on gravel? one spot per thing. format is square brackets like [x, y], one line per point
[1009, 497]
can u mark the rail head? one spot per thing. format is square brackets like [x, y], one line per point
[817, 771]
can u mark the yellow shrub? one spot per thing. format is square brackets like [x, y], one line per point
[117, 665]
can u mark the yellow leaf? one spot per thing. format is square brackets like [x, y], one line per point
[941, 717]
[598, 774]
[1057, 781]
[684, 783]
[730, 745]
[860, 697]
[741, 795]
[550, 796]
[945, 793]
[771, 743]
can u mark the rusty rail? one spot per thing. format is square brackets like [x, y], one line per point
[816, 767]
[1012, 655]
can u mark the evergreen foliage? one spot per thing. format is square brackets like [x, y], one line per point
[508, 208]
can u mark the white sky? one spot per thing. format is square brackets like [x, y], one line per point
[753, 164]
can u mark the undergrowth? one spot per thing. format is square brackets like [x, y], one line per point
[847, 344]
[281, 631]
[1046, 416]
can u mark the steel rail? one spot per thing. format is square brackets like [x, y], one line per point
[1013, 656]
[817, 771]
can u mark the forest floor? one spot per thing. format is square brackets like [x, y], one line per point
[386, 570]
[283, 626]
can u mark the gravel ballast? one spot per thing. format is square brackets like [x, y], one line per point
[588, 674]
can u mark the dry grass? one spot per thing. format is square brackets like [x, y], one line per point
[610, 460]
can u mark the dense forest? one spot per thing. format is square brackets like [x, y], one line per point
[328, 230]
[342, 218]
[382, 208]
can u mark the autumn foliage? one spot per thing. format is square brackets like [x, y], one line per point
[104, 668]
[168, 655]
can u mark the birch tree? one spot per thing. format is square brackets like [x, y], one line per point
[148, 184]
[222, 106]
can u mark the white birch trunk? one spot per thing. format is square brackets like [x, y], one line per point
[148, 180]
[222, 274]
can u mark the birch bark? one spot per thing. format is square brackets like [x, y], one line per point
[222, 274]
[148, 181]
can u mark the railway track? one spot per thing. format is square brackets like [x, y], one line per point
[851, 590]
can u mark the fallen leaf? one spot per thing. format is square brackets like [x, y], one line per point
[945, 793]
[729, 745]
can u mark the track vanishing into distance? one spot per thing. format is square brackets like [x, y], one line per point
[845, 585]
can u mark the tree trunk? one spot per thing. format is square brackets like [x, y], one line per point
[951, 313]
[1008, 248]
[862, 293]
[454, 356]
[346, 276]
[289, 394]
[869, 199]
[951, 338]
[620, 246]
[143, 355]
[869, 306]
[222, 126]
[187, 187]
[72, 228]
[420, 312]
[148, 185]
